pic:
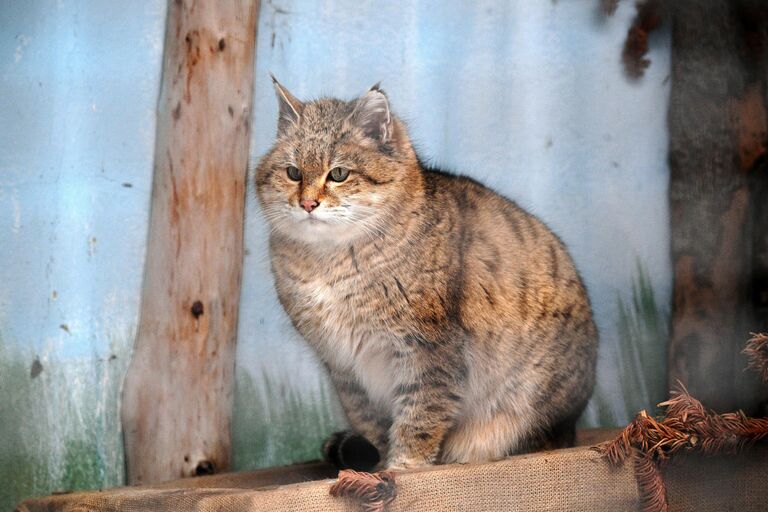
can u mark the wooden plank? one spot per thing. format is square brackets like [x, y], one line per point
[177, 396]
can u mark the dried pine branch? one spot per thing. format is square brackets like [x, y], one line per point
[650, 484]
[647, 434]
[757, 352]
[373, 491]
[647, 20]
[714, 433]
[683, 407]
[618, 449]
[686, 424]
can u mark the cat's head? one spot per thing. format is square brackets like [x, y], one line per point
[338, 169]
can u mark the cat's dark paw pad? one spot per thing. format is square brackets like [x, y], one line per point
[331, 446]
[350, 450]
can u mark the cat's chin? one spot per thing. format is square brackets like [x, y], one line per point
[321, 234]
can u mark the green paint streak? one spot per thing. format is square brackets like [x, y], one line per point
[605, 417]
[643, 328]
[60, 430]
[83, 466]
[19, 469]
[275, 423]
[643, 335]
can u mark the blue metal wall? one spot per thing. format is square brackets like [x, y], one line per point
[78, 86]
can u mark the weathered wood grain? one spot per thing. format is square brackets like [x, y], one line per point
[177, 396]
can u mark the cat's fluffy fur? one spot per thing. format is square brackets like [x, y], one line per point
[452, 322]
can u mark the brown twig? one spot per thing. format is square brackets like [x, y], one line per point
[374, 491]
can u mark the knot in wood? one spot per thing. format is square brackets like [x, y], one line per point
[197, 309]
[204, 467]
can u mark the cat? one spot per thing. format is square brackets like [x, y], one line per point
[453, 324]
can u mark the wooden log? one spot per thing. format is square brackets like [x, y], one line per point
[758, 14]
[177, 397]
[717, 123]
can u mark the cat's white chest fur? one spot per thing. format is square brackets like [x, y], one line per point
[348, 342]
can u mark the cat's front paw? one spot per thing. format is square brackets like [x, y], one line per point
[349, 450]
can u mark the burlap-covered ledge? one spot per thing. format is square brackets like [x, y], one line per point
[575, 479]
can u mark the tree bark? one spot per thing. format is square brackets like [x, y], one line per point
[717, 123]
[177, 396]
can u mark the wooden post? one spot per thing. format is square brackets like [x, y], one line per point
[177, 396]
[718, 136]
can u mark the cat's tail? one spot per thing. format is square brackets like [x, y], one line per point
[349, 450]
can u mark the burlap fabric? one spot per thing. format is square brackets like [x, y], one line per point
[575, 479]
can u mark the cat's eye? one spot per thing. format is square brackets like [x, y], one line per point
[293, 173]
[338, 174]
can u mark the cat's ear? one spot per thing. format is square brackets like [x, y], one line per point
[289, 107]
[371, 114]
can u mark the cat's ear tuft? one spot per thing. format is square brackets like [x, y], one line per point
[372, 115]
[289, 107]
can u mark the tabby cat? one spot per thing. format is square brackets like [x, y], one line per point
[452, 322]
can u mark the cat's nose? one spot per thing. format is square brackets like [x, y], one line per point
[309, 204]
